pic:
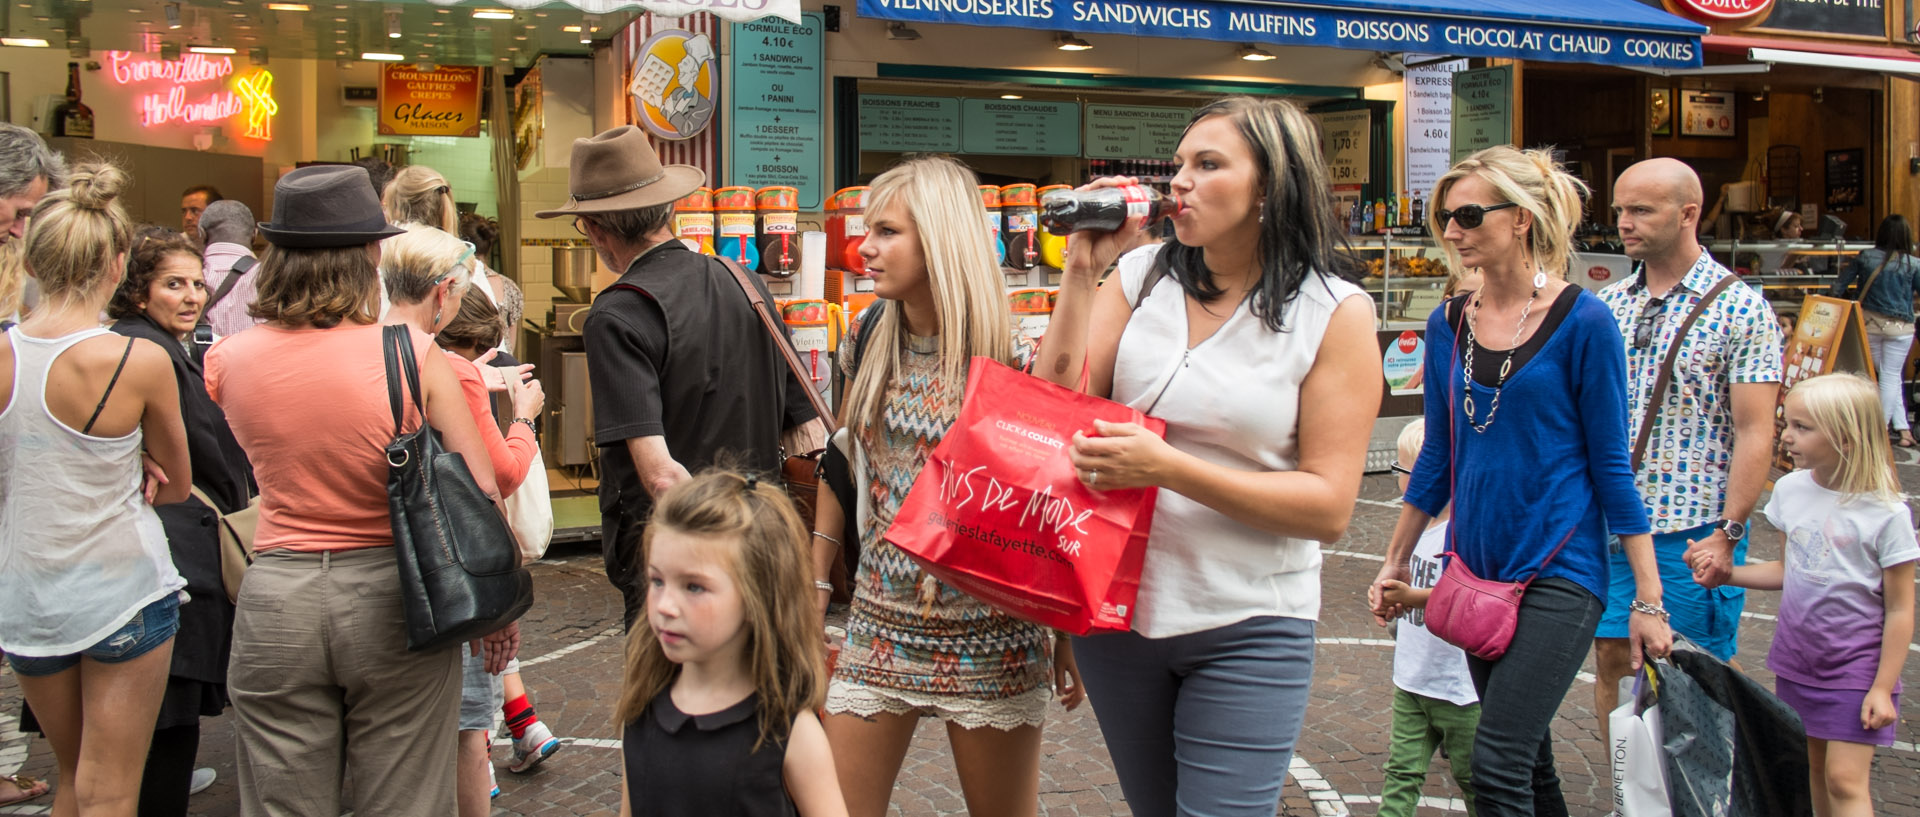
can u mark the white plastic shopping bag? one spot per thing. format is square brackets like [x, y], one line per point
[1639, 768]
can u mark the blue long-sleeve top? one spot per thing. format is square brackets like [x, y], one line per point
[1555, 457]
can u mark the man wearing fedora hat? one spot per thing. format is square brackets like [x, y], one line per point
[684, 375]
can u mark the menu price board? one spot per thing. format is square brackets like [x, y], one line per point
[1020, 126]
[1482, 110]
[1830, 337]
[909, 123]
[441, 102]
[1133, 131]
[1707, 113]
[1846, 178]
[1864, 18]
[777, 113]
[1344, 141]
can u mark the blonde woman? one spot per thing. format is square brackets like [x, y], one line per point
[1256, 347]
[420, 195]
[915, 646]
[1527, 375]
[89, 597]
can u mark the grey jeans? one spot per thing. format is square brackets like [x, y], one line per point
[1203, 723]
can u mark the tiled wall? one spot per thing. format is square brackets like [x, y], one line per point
[467, 162]
[540, 190]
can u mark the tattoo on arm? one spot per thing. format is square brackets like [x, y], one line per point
[1060, 365]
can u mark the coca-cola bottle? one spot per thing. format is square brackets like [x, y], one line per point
[1106, 209]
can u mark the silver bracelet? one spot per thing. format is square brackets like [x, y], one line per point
[1654, 610]
[836, 542]
[819, 584]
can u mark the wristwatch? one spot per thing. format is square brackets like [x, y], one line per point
[1735, 531]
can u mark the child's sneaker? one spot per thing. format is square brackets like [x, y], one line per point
[533, 749]
[492, 782]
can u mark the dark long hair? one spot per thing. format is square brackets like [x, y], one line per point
[1298, 231]
[1894, 235]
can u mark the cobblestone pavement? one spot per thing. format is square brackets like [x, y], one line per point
[571, 654]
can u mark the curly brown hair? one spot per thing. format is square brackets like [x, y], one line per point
[319, 288]
[152, 244]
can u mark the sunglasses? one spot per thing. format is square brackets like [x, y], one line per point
[1469, 216]
[1402, 470]
[1643, 328]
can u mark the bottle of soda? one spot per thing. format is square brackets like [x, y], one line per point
[1353, 219]
[1106, 209]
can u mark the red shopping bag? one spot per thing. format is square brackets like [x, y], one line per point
[999, 513]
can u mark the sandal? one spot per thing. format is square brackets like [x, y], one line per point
[25, 788]
[1906, 440]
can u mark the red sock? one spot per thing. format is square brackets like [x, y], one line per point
[519, 715]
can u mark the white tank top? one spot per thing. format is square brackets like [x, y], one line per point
[1233, 401]
[81, 551]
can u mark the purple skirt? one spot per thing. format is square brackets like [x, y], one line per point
[1834, 714]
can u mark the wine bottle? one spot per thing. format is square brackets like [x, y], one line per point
[73, 117]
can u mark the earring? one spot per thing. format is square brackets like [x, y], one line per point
[1539, 278]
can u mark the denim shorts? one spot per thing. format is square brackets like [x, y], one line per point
[151, 627]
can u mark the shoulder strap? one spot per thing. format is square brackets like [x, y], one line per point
[1155, 272]
[868, 317]
[1861, 293]
[240, 267]
[1666, 370]
[397, 348]
[124, 354]
[781, 342]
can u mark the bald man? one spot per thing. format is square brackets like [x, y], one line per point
[1712, 432]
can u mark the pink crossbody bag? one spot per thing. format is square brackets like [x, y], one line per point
[1477, 615]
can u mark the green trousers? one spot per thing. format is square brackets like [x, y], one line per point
[1421, 725]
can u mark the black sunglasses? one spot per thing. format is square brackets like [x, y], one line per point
[1401, 469]
[1643, 329]
[1469, 216]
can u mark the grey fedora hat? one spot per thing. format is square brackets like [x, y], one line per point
[326, 206]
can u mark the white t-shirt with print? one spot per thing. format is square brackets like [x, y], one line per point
[1832, 605]
[1422, 663]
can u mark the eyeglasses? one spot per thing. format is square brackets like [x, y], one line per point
[1469, 216]
[576, 226]
[1643, 329]
[1402, 470]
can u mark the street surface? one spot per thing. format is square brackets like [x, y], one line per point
[571, 652]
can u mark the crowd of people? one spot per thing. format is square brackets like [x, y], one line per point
[1645, 413]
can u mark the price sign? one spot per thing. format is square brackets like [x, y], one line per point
[909, 123]
[1133, 131]
[777, 113]
[1429, 107]
[1028, 127]
[1345, 141]
[1482, 110]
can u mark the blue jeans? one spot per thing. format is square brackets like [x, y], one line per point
[1204, 723]
[150, 627]
[1513, 771]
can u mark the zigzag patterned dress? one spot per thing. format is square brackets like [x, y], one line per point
[914, 644]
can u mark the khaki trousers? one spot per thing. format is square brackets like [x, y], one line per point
[323, 685]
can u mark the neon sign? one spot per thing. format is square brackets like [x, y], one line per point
[251, 95]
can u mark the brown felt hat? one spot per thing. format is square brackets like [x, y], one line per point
[618, 170]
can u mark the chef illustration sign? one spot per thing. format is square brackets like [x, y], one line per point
[674, 79]
[442, 102]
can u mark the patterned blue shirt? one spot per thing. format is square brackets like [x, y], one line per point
[1683, 479]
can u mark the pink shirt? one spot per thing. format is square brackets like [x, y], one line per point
[229, 317]
[511, 453]
[310, 408]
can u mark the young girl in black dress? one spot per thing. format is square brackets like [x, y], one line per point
[723, 680]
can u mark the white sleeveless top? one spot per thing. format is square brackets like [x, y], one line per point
[81, 551]
[1233, 401]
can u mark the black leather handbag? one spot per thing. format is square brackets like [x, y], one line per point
[460, 573]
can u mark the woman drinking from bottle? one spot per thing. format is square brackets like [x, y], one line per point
[1247, 335]
[1526, 410]
[915, 646]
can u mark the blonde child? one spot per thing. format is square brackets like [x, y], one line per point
[1434, 705]
[1846, 582]
[724, 675]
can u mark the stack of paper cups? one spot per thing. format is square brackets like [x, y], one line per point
[813, 267]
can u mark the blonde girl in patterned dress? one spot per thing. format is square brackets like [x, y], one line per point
[916, 647]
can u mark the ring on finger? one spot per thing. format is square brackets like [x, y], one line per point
[1093, 476]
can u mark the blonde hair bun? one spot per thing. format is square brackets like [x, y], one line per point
[96, 186]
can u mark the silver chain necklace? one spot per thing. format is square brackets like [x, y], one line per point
[1506, 366]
